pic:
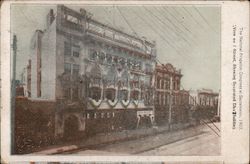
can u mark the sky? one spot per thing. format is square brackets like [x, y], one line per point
[187, 36]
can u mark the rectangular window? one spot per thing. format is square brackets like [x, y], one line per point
[159, 98]
[168, 84]
[76, 50]
[158, 83]
[76, 69]
[67, 68]
[166, 99]
[76, 54]
[162, 99]
[68, 93]
[162, 84]
[72, 19]
[75, 93]
[156, 98]
[67, 49]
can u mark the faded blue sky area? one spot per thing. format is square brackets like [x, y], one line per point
[187, 36]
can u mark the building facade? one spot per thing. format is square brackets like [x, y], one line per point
[171, 103]
[205, 102]
[93, 69]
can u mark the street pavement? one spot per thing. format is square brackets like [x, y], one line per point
[204, 143]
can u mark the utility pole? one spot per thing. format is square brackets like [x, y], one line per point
[13, 95]
[170, 104]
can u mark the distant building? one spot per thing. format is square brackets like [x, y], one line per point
[26, 79]
[78, 59]
[204, 97]
[206, 101]
[171, 103]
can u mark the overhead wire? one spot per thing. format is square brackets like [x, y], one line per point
[163, 38]
[160, 35]
[160, 28]
[155, 30]
[161, 11]
[188, 31]
[106, 12]
[178, 12]
[166, 25]
[204, 19]
[28, 18]
[124, 18]
[193, 18]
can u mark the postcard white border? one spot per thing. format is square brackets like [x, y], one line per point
[235, 145]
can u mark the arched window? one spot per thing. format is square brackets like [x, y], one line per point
[102, 57]
[109, 58]
[123, 95]
[129, 63]
[95, 93]
[134, 95]
[122, 61]
[111, 76]
[92, 54]
[125, 79]
[110, 94]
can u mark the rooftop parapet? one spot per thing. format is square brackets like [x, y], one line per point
[168, 68]
[83, 22]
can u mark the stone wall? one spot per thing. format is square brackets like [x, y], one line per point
[34, 125]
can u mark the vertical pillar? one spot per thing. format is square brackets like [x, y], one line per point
[138, 120]
[102, 91]
[218, 104]
[116, 93]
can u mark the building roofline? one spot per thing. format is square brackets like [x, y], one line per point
[109, 27]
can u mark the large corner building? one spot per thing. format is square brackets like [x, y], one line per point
[80, 60]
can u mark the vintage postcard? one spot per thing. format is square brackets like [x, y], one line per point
[125, 81]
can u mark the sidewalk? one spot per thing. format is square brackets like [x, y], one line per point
[106, 138]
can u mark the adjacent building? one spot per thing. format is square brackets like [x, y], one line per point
[171, 103]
